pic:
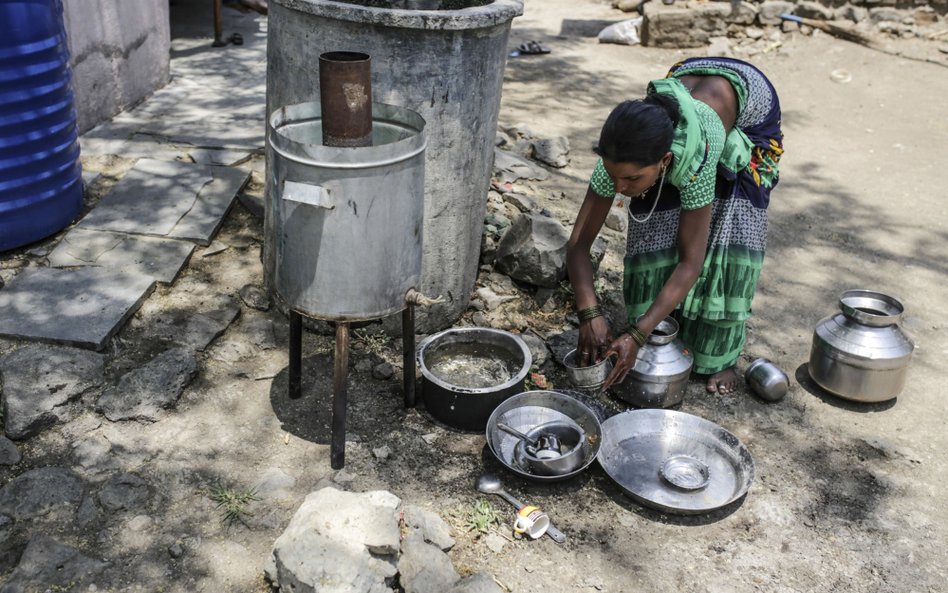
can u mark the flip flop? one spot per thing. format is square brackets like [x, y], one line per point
[529, 48]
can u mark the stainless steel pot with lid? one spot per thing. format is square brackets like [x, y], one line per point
[861, 353]
[661, 371]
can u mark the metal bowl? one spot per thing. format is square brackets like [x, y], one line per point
[675, 462]
[531, 409]
[591, 377]
[571, 438]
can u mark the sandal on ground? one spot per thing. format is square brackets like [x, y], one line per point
[529, 48]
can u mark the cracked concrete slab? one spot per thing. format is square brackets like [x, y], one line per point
[168, 199]
[82, 306]
[162, 259]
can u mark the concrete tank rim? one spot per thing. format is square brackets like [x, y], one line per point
[498, 12]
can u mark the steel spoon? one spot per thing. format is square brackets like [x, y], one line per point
[490, 484]
[531, 443]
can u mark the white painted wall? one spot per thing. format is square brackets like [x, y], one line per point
[120, 51]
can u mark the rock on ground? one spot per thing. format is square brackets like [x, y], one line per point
[424, 568]
[533, 250]
[9, 455]
[430, 525]
[39, 380]
[39, 491]
[338, 541]
[123, 491]
[47, 565]
[141, 393]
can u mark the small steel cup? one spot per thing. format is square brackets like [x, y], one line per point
[766, 380]
[591, 377]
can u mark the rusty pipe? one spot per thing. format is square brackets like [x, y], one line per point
[340, 397]
[345, 98]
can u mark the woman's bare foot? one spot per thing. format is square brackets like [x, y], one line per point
[723, 382]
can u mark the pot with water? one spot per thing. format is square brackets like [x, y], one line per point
[467, 372]
[861, 353]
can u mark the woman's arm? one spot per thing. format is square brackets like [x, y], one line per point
[594, 333]
[694, 226]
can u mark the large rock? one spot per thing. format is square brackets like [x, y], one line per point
[679, 26]
[39, 380]
[39, 491]
[338, 542]
[141, 393]
[47, 565]
[424, 568]
[533, 250]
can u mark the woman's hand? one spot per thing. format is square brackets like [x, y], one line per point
[594, 338]
[626, 350]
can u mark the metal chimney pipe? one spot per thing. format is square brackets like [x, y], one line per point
[345, 98]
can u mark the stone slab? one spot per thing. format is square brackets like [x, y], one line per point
[168, 199]
[37, 492]
[47, 565]
[81, 306]
[162, 259]
[141, 393]
[38, 380]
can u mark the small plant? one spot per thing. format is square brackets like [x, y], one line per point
[231, 501]
[482, 516]
[372, 342]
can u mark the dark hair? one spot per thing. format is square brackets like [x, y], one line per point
[639, 131]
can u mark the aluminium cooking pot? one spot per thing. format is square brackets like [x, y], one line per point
[465, 402]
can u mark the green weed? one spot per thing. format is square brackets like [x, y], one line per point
[482, 515]
[232, 502]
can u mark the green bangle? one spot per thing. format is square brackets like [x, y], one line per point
[638, 335]
[589, 313]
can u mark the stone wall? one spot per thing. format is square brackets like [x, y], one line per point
[695, 24]
[120, 53]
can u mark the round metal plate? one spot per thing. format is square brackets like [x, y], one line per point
[637, 445]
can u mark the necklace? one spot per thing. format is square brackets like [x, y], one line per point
[658, 196]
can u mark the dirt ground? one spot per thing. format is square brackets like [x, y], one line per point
[846, 497]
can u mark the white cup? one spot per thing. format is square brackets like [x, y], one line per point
[531, 521]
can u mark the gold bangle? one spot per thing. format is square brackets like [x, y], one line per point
[589, 313]
[638, 335]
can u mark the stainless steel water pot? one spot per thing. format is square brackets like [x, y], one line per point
[661, 371]
[861, 353]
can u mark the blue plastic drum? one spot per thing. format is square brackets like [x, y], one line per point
[40, 173]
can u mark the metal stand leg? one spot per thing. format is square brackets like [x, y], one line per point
[337, 449]
[296, 355]
[408, 354]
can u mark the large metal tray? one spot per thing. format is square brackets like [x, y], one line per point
[637, 444]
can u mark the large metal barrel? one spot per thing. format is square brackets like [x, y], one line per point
[442, 58]
[40, 174]
[343, 224]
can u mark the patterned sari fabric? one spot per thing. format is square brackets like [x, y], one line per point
[713, 314]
